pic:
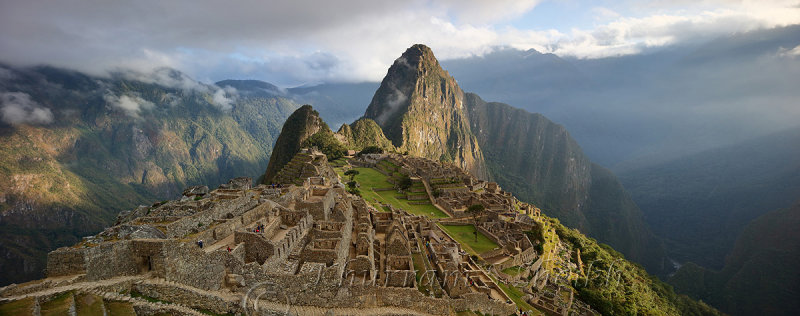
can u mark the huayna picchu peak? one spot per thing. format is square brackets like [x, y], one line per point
[420, 108]
[402, 212]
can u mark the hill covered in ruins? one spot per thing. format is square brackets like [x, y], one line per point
[421, 110]
[311, 245]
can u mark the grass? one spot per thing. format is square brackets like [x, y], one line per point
[89, 305]
[516, 296]
[120, 308]
[19, 307]
[58, 305]
[370, 178]
[465, 235]
[512, 271]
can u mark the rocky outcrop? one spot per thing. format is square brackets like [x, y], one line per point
[420, 108]
[362, 133]
[303, 123]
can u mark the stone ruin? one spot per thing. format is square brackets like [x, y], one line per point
[243, 249]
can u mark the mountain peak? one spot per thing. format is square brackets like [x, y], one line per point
[419, 107]
[303, 123]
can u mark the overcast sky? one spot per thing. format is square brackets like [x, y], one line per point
[306, 41]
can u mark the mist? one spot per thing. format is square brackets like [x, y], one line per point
[632, 111]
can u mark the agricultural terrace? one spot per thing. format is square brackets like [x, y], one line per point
[369, 179]
[465, 235]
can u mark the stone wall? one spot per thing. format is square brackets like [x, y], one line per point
[222, 210]
[256, 247]
[148, 254]
[187, 264]
[109, 260]
[66, 261]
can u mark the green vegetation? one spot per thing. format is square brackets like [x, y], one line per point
[615, 286]
[120, 308]
[464, 235]
[370, 150]
[58, 305]
[760, 274]
[370, 178]
[299, 126]
[512, 271]
[79, 172]
[89, 305]
[476, 210]
[327, 144]
[366, 136]
[535, 168]
[516, 295]
[18, 307]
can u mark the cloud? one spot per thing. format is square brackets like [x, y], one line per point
[18, 108]
[132, 105]
[306, 41]
[792, 53]
[225, 97]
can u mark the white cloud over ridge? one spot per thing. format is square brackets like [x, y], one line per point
[354, 40]
[18, 108]
[131, 105]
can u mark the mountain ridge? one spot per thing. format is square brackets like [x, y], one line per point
[112, 144]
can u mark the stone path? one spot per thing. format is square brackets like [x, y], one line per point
[84, 286]
[322, 311]
[224, 295]
[221, 243]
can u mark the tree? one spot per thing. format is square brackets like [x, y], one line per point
[371, 150]
[352, 173]
[404, 182]
[476, 210]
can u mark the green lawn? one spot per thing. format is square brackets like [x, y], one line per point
[120, 308]
[465, 235]
[516, 296]
[512, 271]
[58, 305]
[370, 178]
[18, 307]
[89, 305]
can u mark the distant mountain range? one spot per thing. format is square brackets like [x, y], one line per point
[77, 149]
[760, 275]
[700, 204]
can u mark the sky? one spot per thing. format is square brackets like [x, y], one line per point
[292, 43]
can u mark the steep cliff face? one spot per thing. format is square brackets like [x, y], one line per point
[539, 161]
[110, 145]
[533, 157]
[420, 108]
[301, 125]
